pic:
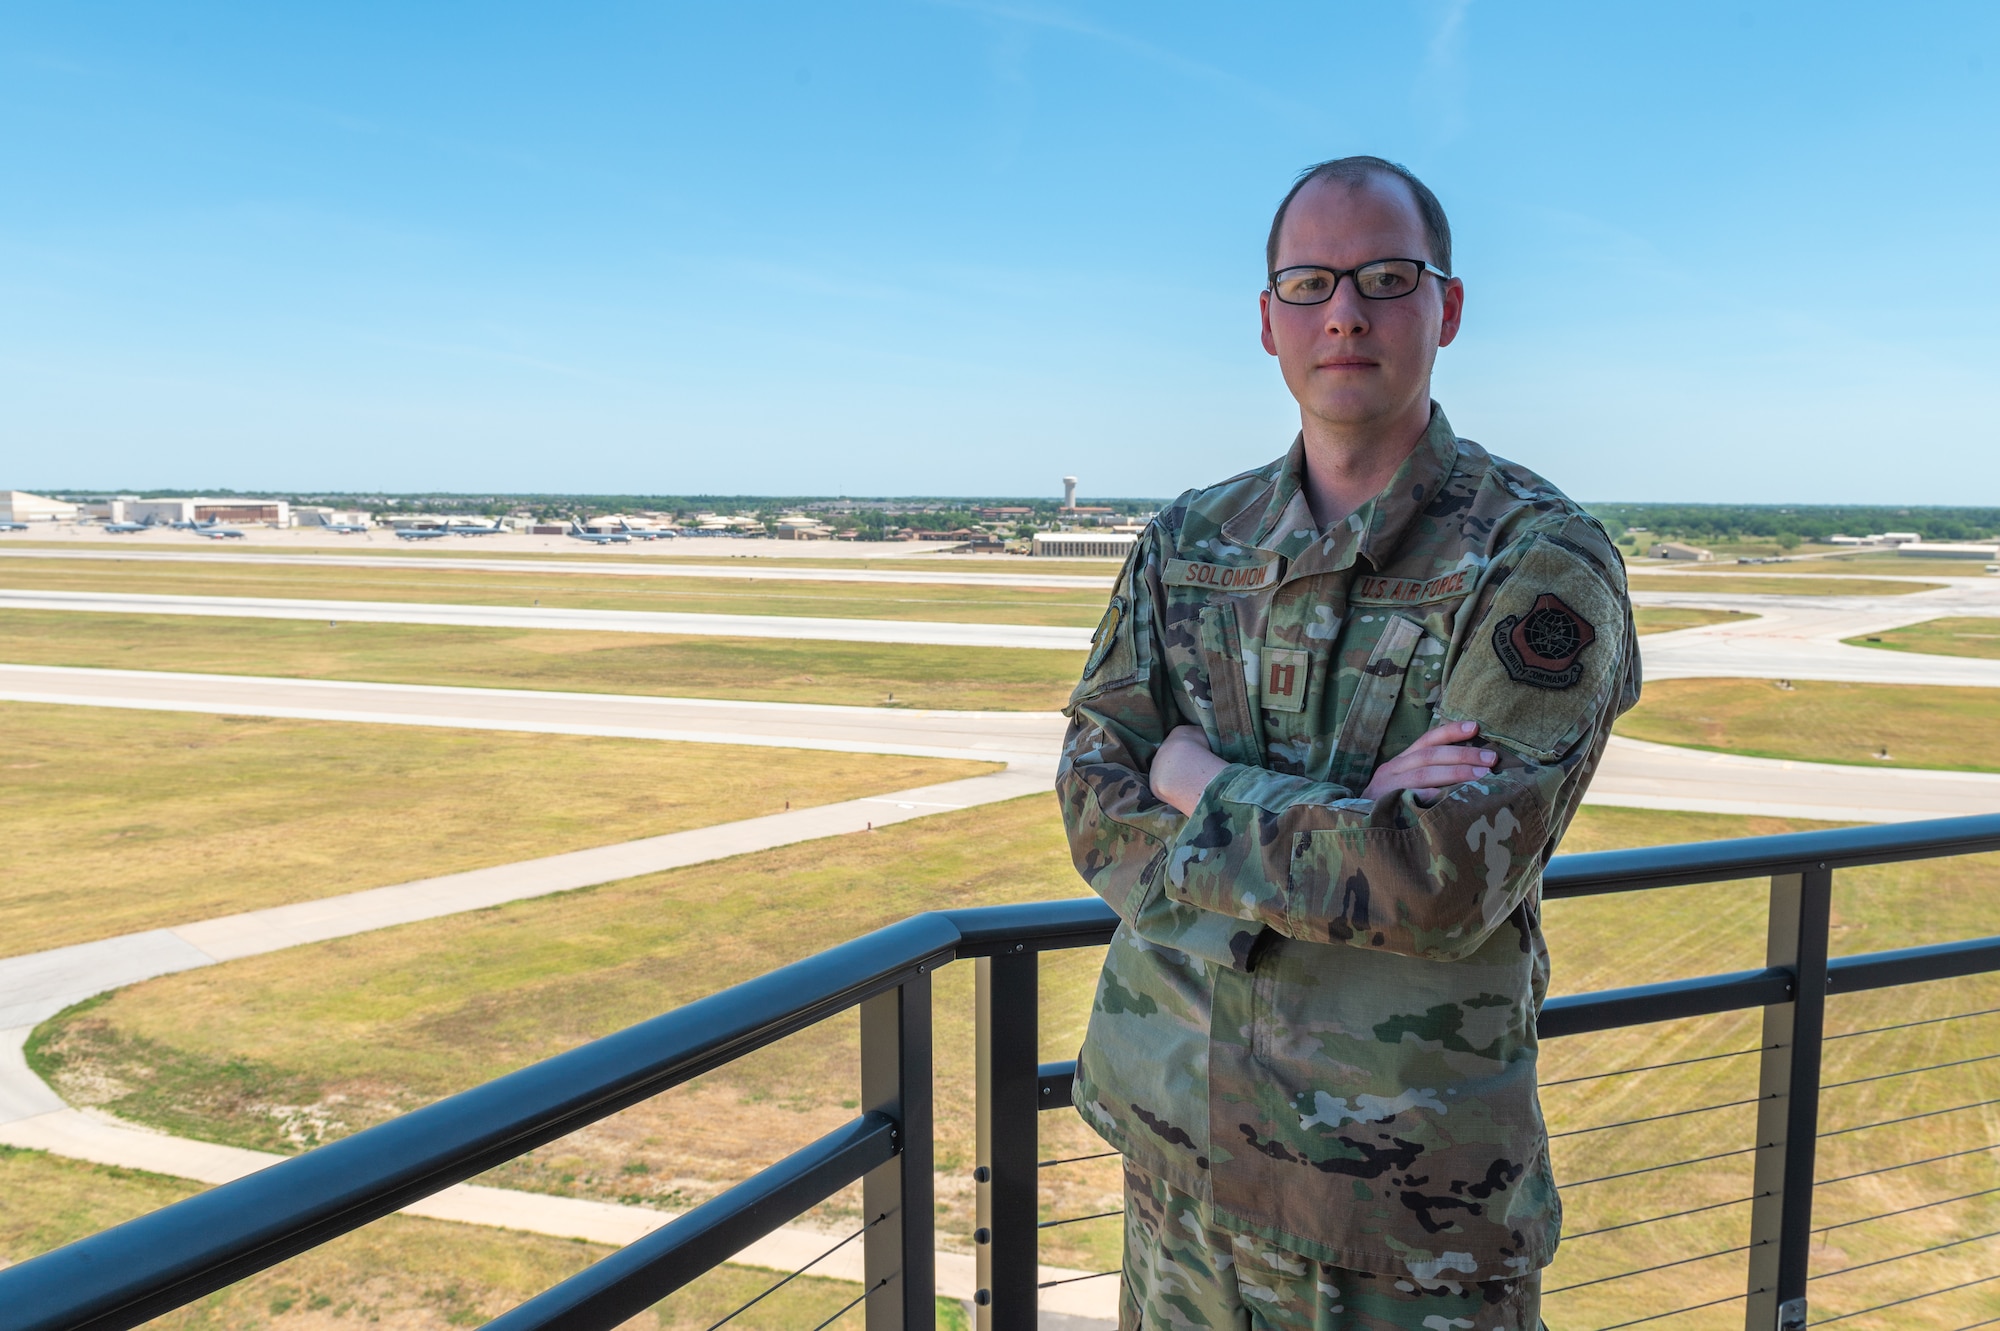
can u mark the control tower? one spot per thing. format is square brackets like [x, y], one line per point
[1069, 492]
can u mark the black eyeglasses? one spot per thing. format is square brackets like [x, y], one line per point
[1384, 279]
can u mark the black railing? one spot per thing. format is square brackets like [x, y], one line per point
[138, 1270]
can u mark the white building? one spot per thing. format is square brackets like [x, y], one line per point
[319, 515]
[1948, 550]
[20, 506]
[1081, 544]
[1678, 550]
[275, 512]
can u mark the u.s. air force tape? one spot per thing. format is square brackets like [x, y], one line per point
[1220, 577]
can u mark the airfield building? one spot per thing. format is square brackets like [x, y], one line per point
[20, 506]
[1081, 544]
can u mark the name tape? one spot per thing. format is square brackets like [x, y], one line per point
[1221, 577]
[1406, 591]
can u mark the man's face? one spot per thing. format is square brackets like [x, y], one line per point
[1353, 361]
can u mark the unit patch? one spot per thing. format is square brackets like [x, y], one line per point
[1541, 647]
[1286, 674]
[1107, 634]
[1220, 577]
[1406, 591]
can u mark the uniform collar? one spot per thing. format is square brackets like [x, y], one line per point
[1282, 523]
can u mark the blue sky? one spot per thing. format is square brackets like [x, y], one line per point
[1713, 251]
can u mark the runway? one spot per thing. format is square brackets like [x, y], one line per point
[1030, 737]
[1799, 637]
[1634, 774]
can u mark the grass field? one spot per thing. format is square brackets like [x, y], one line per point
[398, 1274]
[1665, 619]
[1077, 607]
[1749, 584]
[268, 1052]
[119, 820]
[1914, 725]
[1942, 637]
[756, 669]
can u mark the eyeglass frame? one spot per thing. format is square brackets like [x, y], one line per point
[1423, 266]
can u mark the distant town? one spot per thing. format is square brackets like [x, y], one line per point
[1049, 527]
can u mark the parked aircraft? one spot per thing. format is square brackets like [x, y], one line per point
[218, 533]
[344, 528]
[122, 528]
[420, 533]
[495, 530]
[13, 526]
[599, 537]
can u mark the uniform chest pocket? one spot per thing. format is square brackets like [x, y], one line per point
[1235, 732]
[1374, 702]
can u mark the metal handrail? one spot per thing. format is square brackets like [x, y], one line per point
[137, 1270]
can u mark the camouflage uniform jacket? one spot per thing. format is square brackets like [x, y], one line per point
[1318, 1013]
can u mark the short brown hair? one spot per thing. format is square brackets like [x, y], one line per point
[1351, 171]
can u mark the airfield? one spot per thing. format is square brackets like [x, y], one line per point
[1783, 638]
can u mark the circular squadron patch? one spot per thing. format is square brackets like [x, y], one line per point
[1541, 647]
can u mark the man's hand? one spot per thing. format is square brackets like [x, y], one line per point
[1183, 768]
[1438, 759]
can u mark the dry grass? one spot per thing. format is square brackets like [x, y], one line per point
[373, 1026]
[853, 674]
[581, 590]
[118, 821]
[1978, 637]
[1665, 619]
[1914, 725]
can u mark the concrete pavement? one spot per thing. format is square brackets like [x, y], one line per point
[947, 573]
[1800, 637]
[1636, 775]
[989, 736]
[1639, 775]
[931, 633]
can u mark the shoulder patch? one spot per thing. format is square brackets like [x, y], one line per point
[1541, 647]
[1534, 671]
[1106, 636]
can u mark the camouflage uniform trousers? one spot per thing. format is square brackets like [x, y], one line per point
[1182, 1273]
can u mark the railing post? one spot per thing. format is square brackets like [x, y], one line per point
[1006, 1241]
[1788, 1108]
[900, 1257]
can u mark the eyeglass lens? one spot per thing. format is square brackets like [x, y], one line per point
[1385, 279]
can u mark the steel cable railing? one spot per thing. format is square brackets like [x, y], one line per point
[771, 1289]
[1907, 1164]
[1657, 1219]
[1656, 1118]
[1676, 1312]
[1824, 1230]
[1651, 1067]
[1658, 1266]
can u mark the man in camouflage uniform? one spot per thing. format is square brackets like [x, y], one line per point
[1336, 718]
